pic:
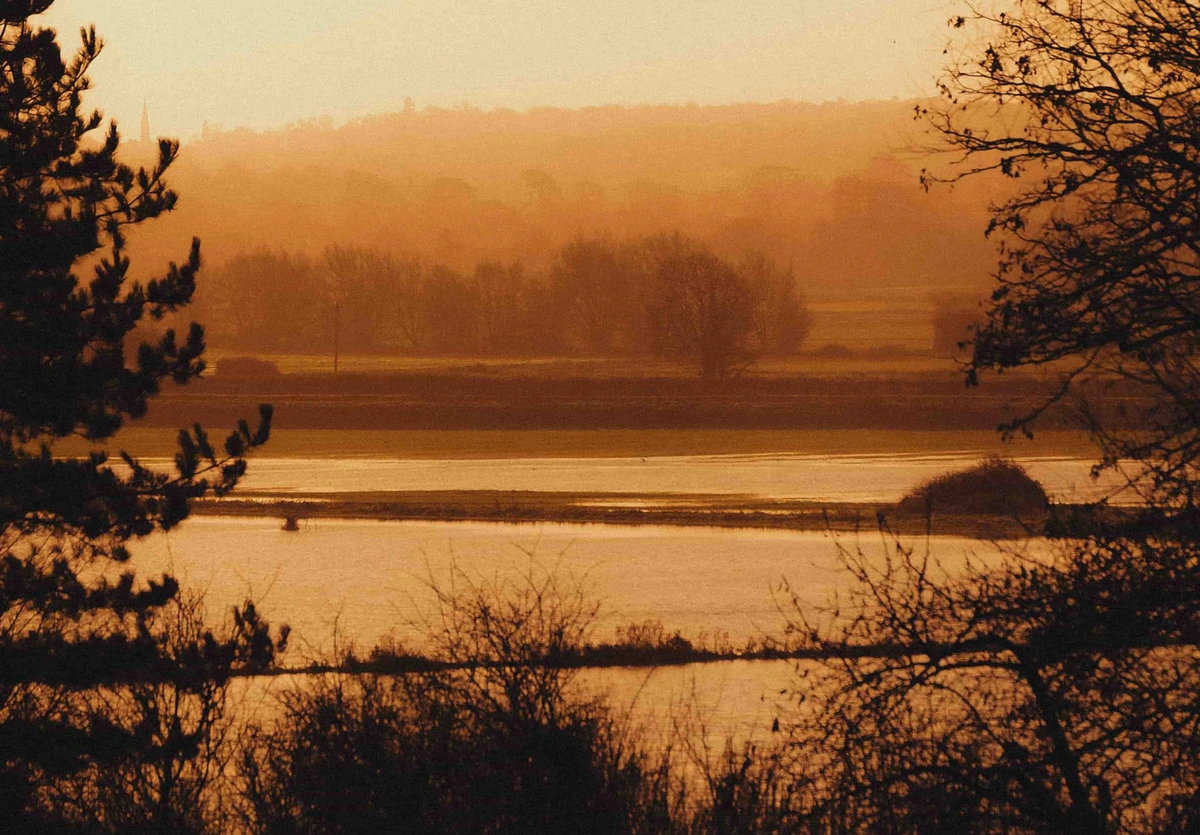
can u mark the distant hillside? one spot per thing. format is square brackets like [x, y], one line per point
[831, 189]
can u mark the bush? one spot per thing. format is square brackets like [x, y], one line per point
[996, 486]
[495, 742]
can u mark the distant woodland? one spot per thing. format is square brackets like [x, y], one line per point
[664, 295]
[433, 231]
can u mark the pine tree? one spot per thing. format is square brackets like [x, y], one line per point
[69, 622]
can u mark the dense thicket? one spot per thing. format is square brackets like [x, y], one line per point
[503, 740]
[1045, 692]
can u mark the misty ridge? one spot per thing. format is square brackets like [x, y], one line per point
[484, 220]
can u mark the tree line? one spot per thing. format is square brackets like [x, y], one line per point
[665, 295]
[1046, 691]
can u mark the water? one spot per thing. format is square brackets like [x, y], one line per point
[357, 581]
[840, 478]
[367, 579]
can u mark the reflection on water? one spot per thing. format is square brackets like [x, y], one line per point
[367, 579]
[842, 478]
[372, 577]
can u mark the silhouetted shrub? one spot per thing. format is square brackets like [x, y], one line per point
[994, 486]
[499, 744]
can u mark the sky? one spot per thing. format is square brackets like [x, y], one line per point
[267, 63]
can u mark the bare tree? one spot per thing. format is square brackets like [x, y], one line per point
[1095, 106]
[781, 320]
[700, 309]
[503, 314]
[1043, 693]
[380, 296]
[598, 297]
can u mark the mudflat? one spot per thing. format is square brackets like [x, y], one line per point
[708, 510]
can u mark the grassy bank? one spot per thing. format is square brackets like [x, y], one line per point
[443, 444]
[480, 400]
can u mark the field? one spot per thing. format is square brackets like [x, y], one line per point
[158, 442]
[612, 395]
[869, 361]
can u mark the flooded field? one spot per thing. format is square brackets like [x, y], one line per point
[368, 579]
[359, 581]
[833, 478]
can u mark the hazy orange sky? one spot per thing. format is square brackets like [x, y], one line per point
[265, 63]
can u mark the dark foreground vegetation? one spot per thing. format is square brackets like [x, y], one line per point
[965, 696]
[1050, 690]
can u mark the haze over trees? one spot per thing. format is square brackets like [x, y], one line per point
[664, 295]
[828, 188]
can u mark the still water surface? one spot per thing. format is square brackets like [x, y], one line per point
[372, 578]
[369, 579]
[841, 478]
[363, 580]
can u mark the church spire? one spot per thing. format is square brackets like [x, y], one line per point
[145, 123]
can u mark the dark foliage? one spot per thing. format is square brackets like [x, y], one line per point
[497, 737]
[501, 743]
[1052, 693]
[62, 340]
[148, 754]
[72, 627]
[1052, 690]
[1095, 108]
[996, 486]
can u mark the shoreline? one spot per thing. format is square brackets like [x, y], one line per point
[678, 510]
